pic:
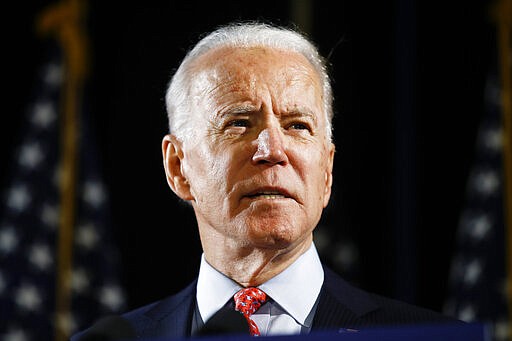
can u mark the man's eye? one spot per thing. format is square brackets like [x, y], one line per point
[298, 126]
[238, 123]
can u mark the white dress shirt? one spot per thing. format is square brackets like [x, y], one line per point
[284, 313]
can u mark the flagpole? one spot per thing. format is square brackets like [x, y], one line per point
[65, 21]
[502, 13]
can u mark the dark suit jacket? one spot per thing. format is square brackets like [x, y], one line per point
[341, 305]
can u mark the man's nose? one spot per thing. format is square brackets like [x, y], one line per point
[271, 147]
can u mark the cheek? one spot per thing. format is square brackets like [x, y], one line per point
[209, 172]
[198, 170]
[313, 174]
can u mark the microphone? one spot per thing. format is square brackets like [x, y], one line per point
[109, 328]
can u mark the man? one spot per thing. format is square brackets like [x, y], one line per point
[250, 149]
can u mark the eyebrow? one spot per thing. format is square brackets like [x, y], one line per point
[301, 112]
[249, 109]
[237, 110]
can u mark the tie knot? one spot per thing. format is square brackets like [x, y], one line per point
[248, 300]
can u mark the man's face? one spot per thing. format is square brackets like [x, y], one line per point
[259, 164]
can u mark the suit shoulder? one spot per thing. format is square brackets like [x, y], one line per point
[371, 309]
[146, 316]
[141, 320]
[392, 311]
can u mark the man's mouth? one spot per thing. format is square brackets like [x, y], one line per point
[268, 194]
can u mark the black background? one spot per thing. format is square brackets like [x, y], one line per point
[442, 48]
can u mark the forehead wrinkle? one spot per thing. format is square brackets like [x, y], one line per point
[210, 92]
[219, 76]
[235, 102]
[223, 82]
[300, 106]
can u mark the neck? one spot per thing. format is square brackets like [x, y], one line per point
[250, 265]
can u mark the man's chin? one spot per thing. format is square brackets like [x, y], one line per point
[272, 235]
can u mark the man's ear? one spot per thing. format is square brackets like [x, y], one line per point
[328, 174]
[172, 153]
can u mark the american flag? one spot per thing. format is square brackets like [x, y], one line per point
[478, 274]
[29, 225]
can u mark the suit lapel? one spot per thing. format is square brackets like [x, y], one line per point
[340, 304]
[331, 314]
[172, 317]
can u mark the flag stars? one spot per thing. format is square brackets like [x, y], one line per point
[40, 256]
[111, 297]
[44, 114]
[473, 272]
[492, 139]
[94, 193]
[480, 227]
[28, 298]
[486, 182]
[15, 335]
[87, 236]
[80, 281]
[467, 313]
[28, 262]
[8, 240]
[53, 74]
[31, 155]
[18, 198]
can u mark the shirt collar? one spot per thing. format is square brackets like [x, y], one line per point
[303, 278]
[214, 289]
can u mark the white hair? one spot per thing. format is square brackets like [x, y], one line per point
[177, 99]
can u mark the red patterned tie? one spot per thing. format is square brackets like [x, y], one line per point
[247, 301]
